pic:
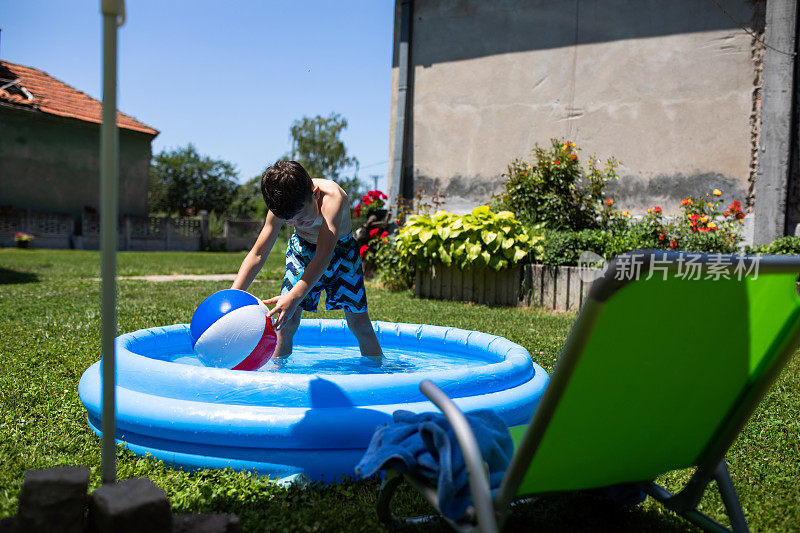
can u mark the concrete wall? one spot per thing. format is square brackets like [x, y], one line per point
[665, 87]
[52, 164]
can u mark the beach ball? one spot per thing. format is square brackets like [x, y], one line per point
[230, 329]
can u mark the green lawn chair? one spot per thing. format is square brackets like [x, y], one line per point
[656, 375]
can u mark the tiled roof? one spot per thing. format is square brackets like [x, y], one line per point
[39, 90]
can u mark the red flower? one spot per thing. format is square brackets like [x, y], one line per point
[673, 243]
[737, 204]
[556, 162]
[363, 250]
[739, 215]
[365, 198]
[657, 209]
[609, 202]
[661, 237]
[695, 218]
[384, 234]
[727, 213]
[366, 201]
[384, 197]
[357, 210]
[373, 232]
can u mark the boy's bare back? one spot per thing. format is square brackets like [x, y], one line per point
[332, 205]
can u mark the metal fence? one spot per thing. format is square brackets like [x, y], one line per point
[139, 233]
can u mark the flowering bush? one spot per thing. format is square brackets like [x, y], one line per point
[702, 226]
[22, 239]
[391, 270]
[376, 237]
[554, 189]
[480, 239]
[380, 254]
[372, 201]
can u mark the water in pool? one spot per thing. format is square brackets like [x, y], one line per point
[348, 360]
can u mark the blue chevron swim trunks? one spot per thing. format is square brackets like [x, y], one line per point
[343, 280]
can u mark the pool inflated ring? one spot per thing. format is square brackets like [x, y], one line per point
[316, 419]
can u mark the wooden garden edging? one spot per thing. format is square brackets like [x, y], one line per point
[479, 285]
[559, 288]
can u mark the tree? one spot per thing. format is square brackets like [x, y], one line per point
[247, 201]
[183, 181]
[316, 145]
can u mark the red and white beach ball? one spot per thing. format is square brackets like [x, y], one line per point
[230, 329]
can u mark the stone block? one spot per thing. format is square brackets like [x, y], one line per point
[130, 506]
[205, 523]
[53, 498]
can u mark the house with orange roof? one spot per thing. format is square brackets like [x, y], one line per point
[50, 148]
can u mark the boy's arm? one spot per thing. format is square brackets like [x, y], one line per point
[286, 304]
[255, 258]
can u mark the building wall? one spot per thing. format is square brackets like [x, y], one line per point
[53, 164]
[665, 87]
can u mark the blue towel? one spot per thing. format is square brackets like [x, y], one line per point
[426, 445]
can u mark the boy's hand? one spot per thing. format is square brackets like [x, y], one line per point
[285, 306]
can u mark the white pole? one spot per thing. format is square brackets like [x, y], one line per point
[113, 16]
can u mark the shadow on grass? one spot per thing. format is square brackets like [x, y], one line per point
[12, 277]
[569, 512]
[350, 506]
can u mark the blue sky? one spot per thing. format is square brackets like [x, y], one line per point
[228, 76]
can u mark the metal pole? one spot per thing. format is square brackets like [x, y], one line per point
[113, 16]
[397, 188]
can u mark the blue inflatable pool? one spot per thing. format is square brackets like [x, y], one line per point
[313, 414]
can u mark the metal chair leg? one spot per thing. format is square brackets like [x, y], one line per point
[388, 488]
[729, 498]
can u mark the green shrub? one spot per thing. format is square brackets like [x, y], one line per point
[480, 239]
[216, 225]
[554, 189]
[565, 247]
[789, 245]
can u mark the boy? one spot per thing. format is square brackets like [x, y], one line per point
[321, 254]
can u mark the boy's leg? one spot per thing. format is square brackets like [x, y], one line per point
[298, 254]
[285, 335]
[361, 326]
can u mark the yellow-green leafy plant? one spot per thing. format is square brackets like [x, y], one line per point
[480, 239]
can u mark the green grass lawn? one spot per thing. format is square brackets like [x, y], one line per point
[49, 334]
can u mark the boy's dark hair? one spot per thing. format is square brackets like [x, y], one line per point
[286, 187]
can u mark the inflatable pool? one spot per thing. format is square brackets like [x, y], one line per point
[314, 413]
